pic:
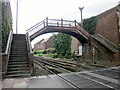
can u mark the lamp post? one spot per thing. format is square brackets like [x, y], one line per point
[16, 16]
[81, 8]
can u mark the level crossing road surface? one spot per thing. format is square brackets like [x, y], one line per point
[105, 79]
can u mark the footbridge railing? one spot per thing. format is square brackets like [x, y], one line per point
[56, 23]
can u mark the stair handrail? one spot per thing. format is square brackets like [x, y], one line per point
[108, 41]
[5, 55]
[82, 30]
[30, 47]
[9, 41]
[30, 52]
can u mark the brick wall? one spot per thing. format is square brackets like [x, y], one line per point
[49, 43]
[39, 45]
[44, 44]
[75, 45]
[118, 13]
[107, 25]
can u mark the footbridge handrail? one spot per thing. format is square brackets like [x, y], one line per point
[82, 30]
[50, 22]
[38, 26]
[5, 55]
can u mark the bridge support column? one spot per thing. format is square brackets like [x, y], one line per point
[86, 51]
[117, 59]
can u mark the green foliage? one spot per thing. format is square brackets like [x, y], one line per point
[6, 24]
[46, 53]
[90, 24]
[62, 43]
[52, 55]
[38, 51]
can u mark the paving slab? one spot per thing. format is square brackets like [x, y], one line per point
[51, 81]
[109, 73]
[44, 82]
[81, 82]
[15, 83]
[61, 82]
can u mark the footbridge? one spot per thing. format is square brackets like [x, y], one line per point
[100, 44]
[54, 25]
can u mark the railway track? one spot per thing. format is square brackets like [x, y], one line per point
[64, 66]
[87, 77]
[51, 67]
[54, 71]
[61, 66]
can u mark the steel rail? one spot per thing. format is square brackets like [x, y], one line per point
[53, 65]
[65, 80]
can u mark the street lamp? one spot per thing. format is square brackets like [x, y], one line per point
[16, 16]
[81, 8]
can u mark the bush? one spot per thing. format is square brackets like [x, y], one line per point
[52, 55]
[46, 53]
[89, 24]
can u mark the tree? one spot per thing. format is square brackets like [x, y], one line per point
[89, 24]
[62, 43]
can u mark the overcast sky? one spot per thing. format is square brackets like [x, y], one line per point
[33, 11]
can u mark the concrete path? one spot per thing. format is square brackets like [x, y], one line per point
[87, 79]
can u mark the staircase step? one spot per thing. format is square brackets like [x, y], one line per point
[18, 63]
[17, 52]
[23, 42]
[18, 48]
[18, 72]
[18, 60]
[19, 42]
[18, 55]
[18, 76]
[18, 68]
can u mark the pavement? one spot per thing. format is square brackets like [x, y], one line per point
[104, 79]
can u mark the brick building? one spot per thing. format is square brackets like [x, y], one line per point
[44, 44]
[48, 44]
